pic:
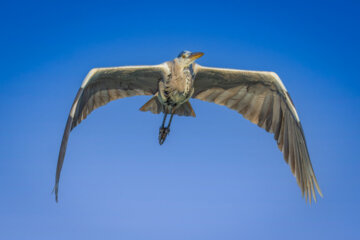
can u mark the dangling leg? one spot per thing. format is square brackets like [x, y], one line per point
[171, 117]
[164, 131]
[164, 119]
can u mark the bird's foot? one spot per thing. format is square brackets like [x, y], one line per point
[163, 132]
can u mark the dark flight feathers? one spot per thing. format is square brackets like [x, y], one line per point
[262, 98]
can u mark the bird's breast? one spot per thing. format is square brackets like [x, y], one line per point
[176, 90]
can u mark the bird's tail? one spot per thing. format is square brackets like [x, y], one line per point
[154, 106]
[185, 110]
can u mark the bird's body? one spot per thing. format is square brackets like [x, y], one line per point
[176, 87]
[260, 97]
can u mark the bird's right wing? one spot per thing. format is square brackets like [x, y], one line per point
[103, 85]
[262, 98]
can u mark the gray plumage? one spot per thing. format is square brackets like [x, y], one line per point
[259, 96]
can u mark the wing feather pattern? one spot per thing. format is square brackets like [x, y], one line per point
[101, 86]
[262, 98]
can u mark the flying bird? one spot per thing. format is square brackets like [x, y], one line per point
[259, 96]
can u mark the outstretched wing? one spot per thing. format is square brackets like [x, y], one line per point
[101, 86]
[262, 98]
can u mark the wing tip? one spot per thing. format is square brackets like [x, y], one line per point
[310, 193]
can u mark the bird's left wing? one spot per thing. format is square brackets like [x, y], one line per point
[262, 98]
[103, 85]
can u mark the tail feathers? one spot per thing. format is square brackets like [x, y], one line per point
[185, 110]
[153, 105]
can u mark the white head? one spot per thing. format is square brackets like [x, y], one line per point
[186, 58]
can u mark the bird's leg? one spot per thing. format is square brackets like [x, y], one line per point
[164, 131]
[171, 117]
[164, 119]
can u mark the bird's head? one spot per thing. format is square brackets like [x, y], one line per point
[186, 58]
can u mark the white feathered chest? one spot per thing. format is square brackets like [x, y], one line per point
[177, 88]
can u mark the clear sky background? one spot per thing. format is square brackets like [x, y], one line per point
[217, 176]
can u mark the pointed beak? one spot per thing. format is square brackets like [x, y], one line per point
[196, 55]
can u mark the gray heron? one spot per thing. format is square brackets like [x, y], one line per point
[259, 96]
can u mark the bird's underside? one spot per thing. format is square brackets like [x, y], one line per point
[259, 96]
[155, 106]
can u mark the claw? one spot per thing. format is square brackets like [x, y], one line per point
[163, 132]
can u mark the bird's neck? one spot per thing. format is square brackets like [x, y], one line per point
[179, 70]
[179, 79]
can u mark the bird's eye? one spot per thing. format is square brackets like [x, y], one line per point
[183, 56]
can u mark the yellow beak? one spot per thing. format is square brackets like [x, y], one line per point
[196, 55]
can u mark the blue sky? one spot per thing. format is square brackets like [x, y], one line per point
[210, 180]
